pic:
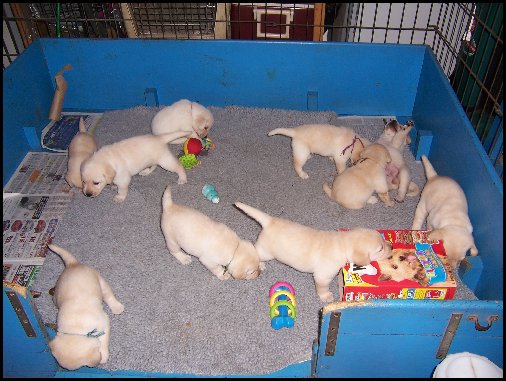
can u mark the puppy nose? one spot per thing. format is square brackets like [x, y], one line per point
[88, 194]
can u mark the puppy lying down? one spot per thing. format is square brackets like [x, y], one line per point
[322, 253]
[183, 115]
[83, 332]
[355, 187]
[116, 163]
[338, 143]
[81, 148]
[217, 246]
[444, 204]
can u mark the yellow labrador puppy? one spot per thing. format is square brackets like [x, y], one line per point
[217, 246]
[444, 204]
[183, 115]
[338, 143]
[83, 330]
[116, 163]
[81, 147]
[394, 138]
[354, 188]
[322, 253]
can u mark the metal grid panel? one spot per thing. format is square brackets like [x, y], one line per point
[173, 20]
[466, 38]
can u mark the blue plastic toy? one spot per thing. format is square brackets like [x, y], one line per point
[210, 192]
[282, 305]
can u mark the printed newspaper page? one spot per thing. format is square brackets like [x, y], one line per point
[34, 202]
[56, 136]
[40, 173]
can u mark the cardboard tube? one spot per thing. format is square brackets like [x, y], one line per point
[59, 94]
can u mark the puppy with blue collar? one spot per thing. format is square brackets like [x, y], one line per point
[83, 328]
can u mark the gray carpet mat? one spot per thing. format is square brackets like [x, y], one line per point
[182, 319]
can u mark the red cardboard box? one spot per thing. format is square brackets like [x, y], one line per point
[417, 269]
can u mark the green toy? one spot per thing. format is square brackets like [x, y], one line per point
[189, 161]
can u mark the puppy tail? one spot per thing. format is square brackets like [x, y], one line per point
[282, 131]
[68, 258]
[167, 138]
[82, 127]
[167, 198]
[429, 169]
[261, 217]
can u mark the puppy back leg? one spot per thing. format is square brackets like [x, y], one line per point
[104, 342]
[175, 249]
[300, 155]
[114, 304]
[172, 164]
[404, 180]
[382, 191]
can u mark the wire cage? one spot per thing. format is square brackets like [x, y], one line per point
[466, 38]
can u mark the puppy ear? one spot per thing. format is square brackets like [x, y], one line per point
[109, 173]
[384, 277]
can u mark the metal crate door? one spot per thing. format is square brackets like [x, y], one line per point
[400, 338]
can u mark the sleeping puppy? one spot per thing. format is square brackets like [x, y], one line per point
[354, 188]
[81, 147]
[118, 162]
[338, 143]
[444, 204]
[83, 331]
[403, 264]
[183, 115]
[322, 253]
[216, 246]
[394, 138]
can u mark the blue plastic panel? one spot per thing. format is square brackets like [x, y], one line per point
[24, 356]
[380, 339]
[113, 74]
[27, 96]
[457, 152]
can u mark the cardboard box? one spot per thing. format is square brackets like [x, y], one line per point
[417, 269]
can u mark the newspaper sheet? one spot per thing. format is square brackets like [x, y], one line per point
[34, 202]
[57, 135]
[40, 173]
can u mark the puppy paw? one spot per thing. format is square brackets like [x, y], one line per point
[327, 297]
[399, 199]
[224, 276]
[117, 309]
[184, 259]
[303, 175]
[119, 198]
[181, 181]
[261, 266]
[104, 356]
[390, 203]
[372, 200]
[147, 171]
